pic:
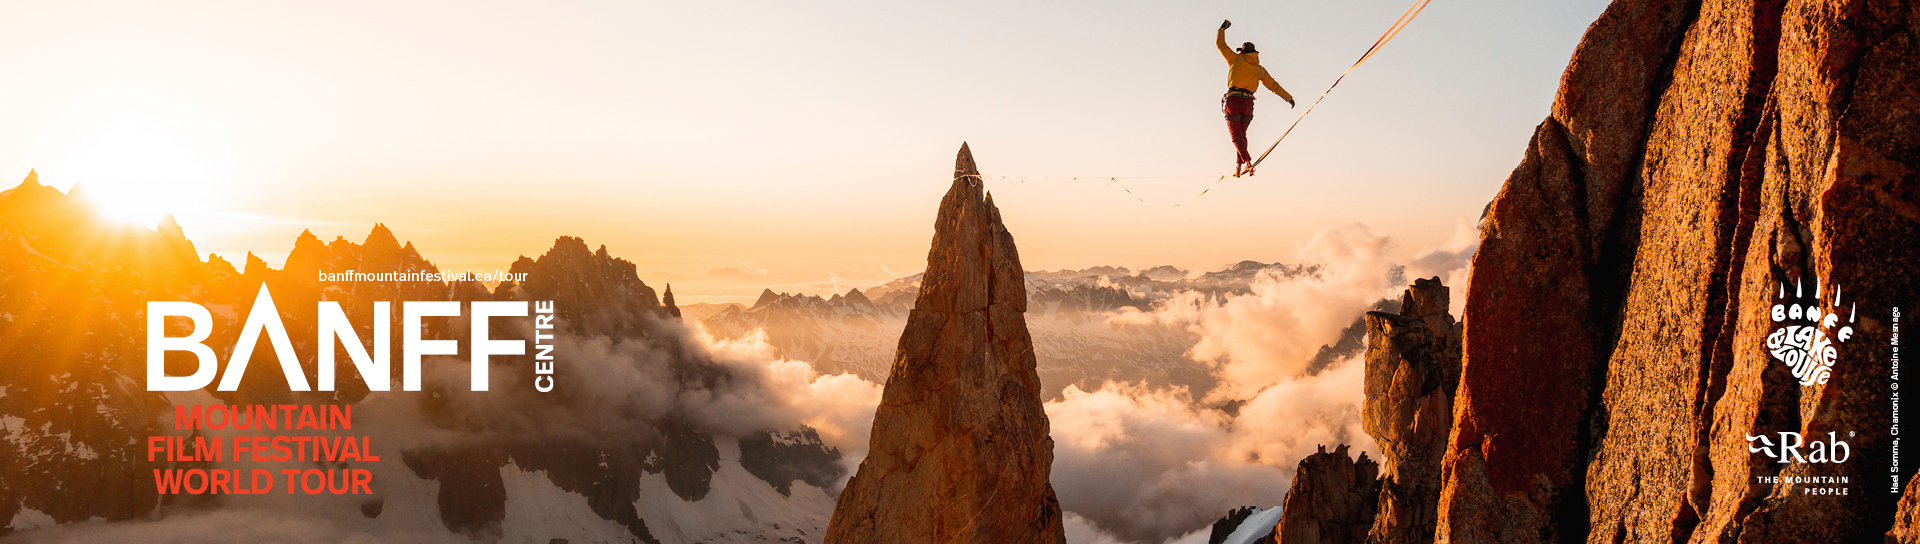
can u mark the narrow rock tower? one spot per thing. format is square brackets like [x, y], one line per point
[960, 449]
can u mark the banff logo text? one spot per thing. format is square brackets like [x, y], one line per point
[1805, 333]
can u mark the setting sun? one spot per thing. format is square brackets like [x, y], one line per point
[141, 164]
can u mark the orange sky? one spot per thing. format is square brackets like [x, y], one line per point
[806, 141]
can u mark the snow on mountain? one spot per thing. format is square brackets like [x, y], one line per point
[538, 510]
[738, 508]
[1257, 526]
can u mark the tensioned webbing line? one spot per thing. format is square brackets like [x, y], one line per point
[1384, 38]
[1398, 25]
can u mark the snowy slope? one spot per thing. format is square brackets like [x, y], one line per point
[740, 508]
[1257, 526]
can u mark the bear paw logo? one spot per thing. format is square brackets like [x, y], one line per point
[1806, 331]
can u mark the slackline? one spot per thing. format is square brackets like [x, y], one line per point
[1398, 25]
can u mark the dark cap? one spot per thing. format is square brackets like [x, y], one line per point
[1247, 48]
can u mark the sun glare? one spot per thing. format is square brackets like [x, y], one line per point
[140, 164]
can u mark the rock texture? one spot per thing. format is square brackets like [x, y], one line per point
[960, 448]
[1701, 157]
[1413, 368]
[1332, 500]
[1906, 520]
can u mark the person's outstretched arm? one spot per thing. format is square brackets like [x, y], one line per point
[1274, 86]
[1220, 40]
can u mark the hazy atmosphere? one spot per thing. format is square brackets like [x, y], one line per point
[855, 271]
[806, 142]
[782, 317]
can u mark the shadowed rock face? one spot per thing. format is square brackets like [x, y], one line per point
[1413, 368]
[960, 449]
[1332, 500]
[783, 458]
[1700, 155]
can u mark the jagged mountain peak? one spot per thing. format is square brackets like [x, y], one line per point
[381, 237]
[767, 296]
[594, 292]
[93, 409]
[169, 226]
[855, 297]
[666, 299]
[965, 352]
[255, 265]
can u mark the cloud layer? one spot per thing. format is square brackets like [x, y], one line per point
[1151, 465]
[1133, 462]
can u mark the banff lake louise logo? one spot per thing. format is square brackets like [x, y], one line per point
[1805, 335]
[1807, 331]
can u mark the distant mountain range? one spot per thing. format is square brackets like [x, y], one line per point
[1068, 313]
[631, 462]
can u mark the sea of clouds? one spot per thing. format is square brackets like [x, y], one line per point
[1133, 462]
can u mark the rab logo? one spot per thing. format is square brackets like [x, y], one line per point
[1806, 337]
[1831, 451]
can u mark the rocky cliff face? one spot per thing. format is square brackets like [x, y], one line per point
[1906, 520]
[1332, 500]
[1703, 163]
[1413, 368]
[960, 449]
[1412, 372]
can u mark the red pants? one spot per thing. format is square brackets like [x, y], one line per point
[1239, 110]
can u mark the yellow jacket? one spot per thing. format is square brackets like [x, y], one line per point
[1245, 71]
